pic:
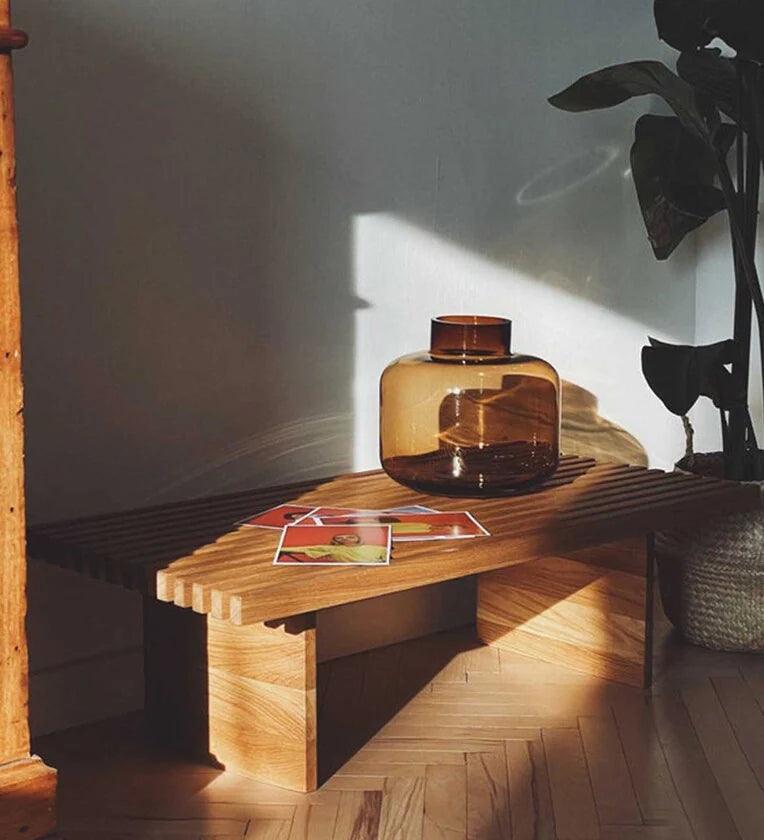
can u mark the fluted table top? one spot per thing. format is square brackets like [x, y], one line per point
[193, 554]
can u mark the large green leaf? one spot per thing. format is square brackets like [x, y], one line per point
[674, 176]
[709, 72]
[679, 374]
[613, 85]
[682, 23]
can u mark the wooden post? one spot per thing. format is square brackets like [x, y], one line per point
[27, 786]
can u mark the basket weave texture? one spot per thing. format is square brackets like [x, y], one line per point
[711, 579]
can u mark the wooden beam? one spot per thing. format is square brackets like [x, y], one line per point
[14, 734]
[27, 787]
[589, 610]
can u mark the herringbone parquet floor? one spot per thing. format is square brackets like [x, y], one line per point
[485, 747]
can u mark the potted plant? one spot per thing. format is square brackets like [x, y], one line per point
[703, 160]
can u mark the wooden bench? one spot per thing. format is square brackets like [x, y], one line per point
[565, 577]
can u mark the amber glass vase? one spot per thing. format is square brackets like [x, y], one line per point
[469, 417]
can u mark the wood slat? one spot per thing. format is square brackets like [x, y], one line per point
[192, 582]
[653, 785]
[738, 784]
[192, 517]
[445, 802]
[529, 795]
[575, 814]
[193, 554]
[358, 815]
[488, 816]
[746, 718]
[418, 564]
[696, 785]
[402, 813]
[236, 542]
[611, 783]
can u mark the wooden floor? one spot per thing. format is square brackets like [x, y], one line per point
[491, 746]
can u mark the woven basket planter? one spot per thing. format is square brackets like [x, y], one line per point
[711, 576]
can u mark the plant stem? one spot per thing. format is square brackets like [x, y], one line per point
[739, 236]
[751, 209]
[757, 105]
[735, 461]
[689, 449]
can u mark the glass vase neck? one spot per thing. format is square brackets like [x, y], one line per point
[470, 335]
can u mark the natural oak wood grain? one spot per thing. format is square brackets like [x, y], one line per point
[445, 802]
[530, 800]
[402, 813]
[575, 813]
[611, 783]
[313, 822]
[488, 815]
[693, 778]
[115, 786]
[746, 719]
[358, 815]
[14, 735]
[738, 783]
[564, 576]
[27, 786]
[590, 617]
[244, 697]
[193, 554]
[650, 776]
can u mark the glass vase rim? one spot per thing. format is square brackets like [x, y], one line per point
[472, 320]
[470, 335]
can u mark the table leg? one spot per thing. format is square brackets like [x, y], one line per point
[243, 697]
[589, 610]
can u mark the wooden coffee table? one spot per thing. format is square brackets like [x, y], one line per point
[231, 640]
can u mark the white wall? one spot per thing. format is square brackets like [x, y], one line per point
[234, 213]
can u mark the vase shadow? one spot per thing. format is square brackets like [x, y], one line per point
[585, 432]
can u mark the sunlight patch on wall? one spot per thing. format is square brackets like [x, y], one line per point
[406, 276]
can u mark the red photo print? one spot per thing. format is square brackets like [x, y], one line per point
[278, 517]
[343, 545]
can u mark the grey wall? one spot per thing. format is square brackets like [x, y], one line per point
[234, 213]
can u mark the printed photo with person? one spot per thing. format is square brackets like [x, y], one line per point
[323, 545]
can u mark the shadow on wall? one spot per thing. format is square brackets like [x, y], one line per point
[186, 204]
[585, 432]
[186, 281]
